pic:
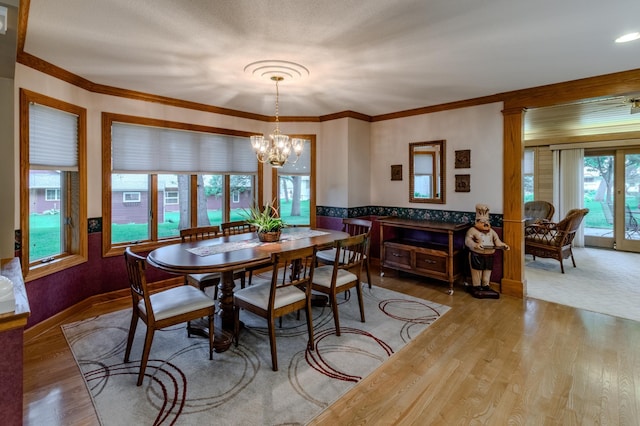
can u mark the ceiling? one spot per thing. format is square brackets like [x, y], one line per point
[373, 57]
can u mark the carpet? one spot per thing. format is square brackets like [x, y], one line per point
[238, 386]
[604, 281]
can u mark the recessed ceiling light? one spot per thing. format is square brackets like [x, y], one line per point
[628, 37]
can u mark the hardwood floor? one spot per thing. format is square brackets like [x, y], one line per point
[506, 361]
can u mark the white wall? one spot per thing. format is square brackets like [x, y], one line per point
[359, 164]
[8, 169]
[478, 128]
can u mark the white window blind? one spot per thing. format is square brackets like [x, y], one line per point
[529, 157]
[300, 167]
[423, 164]
[53, 138]
[146, 149]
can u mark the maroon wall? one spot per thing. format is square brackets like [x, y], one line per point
[11, 343]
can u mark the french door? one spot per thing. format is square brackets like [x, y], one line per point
[612, 194]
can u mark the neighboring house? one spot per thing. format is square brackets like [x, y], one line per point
[44, 193]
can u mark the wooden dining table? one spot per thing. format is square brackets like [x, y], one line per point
[228, 254]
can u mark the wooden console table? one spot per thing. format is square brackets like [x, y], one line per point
[428, 248]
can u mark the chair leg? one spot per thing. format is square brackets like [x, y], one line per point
[211, 333]
[311, 343]
[368, 271]
[145, 353]
[272, 343]
[561, 265]
[334, 308]
[360, 301]
[236, 323]
[132, 332]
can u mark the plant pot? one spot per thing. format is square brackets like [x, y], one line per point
[269, 237]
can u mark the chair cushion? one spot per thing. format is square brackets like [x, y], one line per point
[176, 301]
[322, 276]
[258, 295]
[204, 277]
[329, 256]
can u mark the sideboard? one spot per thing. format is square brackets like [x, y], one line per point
[422, 247]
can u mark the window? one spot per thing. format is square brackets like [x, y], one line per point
[528, 175]
[170, 197]
[166, 176]
[295, 187]
[131, 197]
[53, 195]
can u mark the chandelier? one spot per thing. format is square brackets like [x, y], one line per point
[277, 148]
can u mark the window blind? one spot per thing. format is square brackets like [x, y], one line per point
[53, 138]
[145, 149]
[423, 164]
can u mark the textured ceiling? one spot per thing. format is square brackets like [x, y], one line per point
[369, 56]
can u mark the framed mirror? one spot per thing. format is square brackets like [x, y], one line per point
[427, 172]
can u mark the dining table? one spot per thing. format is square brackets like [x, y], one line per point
[227, 254]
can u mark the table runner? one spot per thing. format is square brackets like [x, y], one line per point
[239, 245]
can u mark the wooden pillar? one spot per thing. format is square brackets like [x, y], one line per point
[513, 282]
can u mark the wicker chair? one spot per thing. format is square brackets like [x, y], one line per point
[554, 240]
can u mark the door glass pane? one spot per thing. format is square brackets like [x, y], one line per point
[295, 195]
[129, 207]
[599, 187]
[632, 196]
[45, 218]
[173, 204]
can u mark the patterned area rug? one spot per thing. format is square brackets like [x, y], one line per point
[238, 386]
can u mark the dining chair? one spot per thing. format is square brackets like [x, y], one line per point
[352, 226]
[237, 227]
[242, 227]
[203, 281]
[162, 309]
[343, 274]
[288, 290]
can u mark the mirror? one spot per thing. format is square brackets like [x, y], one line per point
[427, 172]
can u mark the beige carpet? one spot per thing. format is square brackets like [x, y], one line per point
[605, 281]
[183, 387]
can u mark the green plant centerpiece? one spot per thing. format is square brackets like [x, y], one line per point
[267, 221]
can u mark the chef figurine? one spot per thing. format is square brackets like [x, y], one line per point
[482, 242]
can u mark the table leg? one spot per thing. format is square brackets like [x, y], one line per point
[225, 297]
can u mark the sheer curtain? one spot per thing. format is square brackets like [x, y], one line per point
[568, 168]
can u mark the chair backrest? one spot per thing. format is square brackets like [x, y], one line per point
[136, 266]
[237, 227]
[538, 209]
[572, 220]
[354, 226]
[350, 253]
[292, 268]
[199, 233]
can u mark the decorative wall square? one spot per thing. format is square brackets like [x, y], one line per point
[463, 159]
[396, 172]
[463, 183]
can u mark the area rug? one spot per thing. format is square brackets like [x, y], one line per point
[238, 387]
[604, 281]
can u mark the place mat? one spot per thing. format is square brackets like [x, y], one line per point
[239, 245]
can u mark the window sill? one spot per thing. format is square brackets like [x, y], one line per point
[35, 272]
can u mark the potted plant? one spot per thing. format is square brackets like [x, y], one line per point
[267, 221]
